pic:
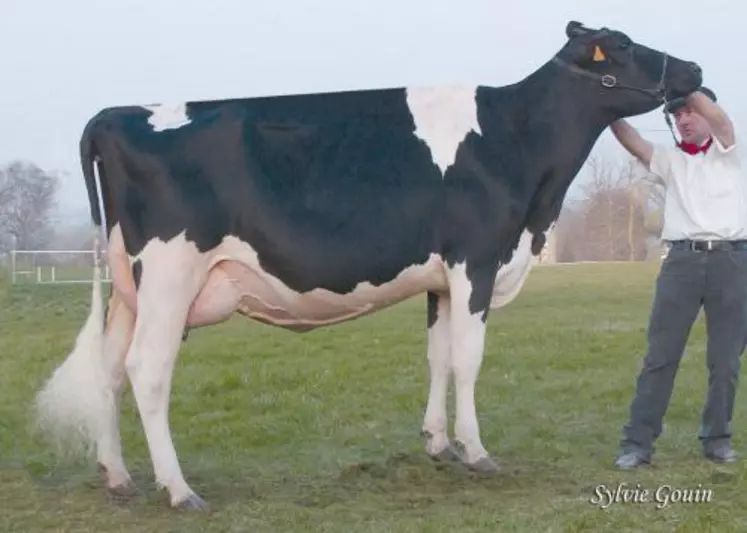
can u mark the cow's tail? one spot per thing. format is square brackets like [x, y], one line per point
[77, 401]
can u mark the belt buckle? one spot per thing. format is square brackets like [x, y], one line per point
[700, 246]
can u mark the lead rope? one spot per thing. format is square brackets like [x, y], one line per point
[668, 120]
[662, 86]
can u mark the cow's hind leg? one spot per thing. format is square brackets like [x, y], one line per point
[170, 281]
[439, 362]
[118, 335]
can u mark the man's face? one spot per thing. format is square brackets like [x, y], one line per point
[693, 127]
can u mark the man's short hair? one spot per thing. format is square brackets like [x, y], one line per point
[677, 103]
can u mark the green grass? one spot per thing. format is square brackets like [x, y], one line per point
[320, 432]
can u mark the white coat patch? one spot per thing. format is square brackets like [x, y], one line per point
[443, 117]
[511, 277]
[167, 116]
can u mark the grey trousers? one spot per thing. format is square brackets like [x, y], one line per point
[689, 280]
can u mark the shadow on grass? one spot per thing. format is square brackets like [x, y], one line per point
[401, 480]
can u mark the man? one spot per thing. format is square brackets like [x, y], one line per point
[705, 222]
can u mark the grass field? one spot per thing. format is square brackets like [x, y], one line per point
[320, 432]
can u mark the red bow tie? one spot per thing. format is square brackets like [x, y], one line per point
[692, 149]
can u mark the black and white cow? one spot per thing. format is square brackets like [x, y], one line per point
[308, 210]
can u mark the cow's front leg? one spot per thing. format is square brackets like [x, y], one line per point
[435, 427]
[470, 300]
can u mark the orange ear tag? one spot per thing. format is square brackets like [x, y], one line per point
[598, 54]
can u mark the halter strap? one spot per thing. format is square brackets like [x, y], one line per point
[609, 81]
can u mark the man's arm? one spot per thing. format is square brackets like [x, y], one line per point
[633, 142]
[722, 127]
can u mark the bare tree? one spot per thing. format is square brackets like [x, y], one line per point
[619, 211]
[614, 210]
[598, 209]
[569, 228]
[655, 195]
[27, 198]
[635, 180]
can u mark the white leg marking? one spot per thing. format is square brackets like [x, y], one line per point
[468, 341]
[121, 321]
[443, 117]
[167, 116]
[171, 279]
[439, 362]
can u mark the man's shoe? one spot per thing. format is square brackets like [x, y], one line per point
[630, 460]
[722, 454]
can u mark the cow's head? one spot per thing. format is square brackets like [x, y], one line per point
[631, 78]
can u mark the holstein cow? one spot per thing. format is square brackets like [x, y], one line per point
[304, 211]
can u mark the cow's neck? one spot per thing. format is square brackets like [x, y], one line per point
[549, 127]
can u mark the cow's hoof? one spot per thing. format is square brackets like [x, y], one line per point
[122, 493]
[484, 466]
[192, 503]
[447, 455]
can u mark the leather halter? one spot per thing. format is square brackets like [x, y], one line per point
[610, 82]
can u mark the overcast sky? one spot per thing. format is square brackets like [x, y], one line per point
[62, 61]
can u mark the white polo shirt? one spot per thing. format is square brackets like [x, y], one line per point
[706, 194]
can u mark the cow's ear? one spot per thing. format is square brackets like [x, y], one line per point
[576, 29]
[587, 53]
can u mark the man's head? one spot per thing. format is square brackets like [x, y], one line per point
[691, 126]
[633, 77]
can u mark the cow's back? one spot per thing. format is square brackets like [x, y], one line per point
[330, 190]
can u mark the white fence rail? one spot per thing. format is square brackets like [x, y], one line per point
[54, 266]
